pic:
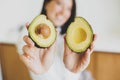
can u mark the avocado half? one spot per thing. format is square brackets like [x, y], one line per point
[79, 35]
[42, 31]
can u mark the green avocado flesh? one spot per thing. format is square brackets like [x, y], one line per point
[42, 31]
[79, 35]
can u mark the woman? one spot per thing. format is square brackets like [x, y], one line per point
[57, 62]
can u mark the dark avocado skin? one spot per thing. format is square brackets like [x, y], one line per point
[36, 45]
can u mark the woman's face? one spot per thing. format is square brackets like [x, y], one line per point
[59, 11]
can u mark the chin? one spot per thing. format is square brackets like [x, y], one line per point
[59, 24]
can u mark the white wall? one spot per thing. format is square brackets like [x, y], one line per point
[14, 14]
[103, 15]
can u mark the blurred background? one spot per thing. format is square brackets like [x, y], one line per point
[103, 15]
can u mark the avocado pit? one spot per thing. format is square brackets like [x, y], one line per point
[43, 30]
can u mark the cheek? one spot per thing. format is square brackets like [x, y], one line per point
[50, 9]
[57, 9]
[50, 14]
[53, 11]
[68, 14]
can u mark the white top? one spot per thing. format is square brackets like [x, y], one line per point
[57, 71]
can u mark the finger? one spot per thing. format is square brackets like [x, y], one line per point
[26, 55]
[67, 50]
[45, 50]
[85, 58]
[87, 52]
[52, 46]
[86, 55]
[94, 37]
[27, 25]
[65, 45]
[27, 51]
[28, 41]
[92, 46]
[25, 60]
[41, 53]
[90, 50]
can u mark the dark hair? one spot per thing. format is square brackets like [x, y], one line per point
[71, 19]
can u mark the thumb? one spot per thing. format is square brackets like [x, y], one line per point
[67, 49]
[27, 25]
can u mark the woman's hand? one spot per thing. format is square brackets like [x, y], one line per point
[38, 60]
[77, 62]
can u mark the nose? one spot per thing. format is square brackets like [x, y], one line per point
[62, 11]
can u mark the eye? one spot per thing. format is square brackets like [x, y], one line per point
[58, 2]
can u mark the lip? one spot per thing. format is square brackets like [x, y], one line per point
[60, 18]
